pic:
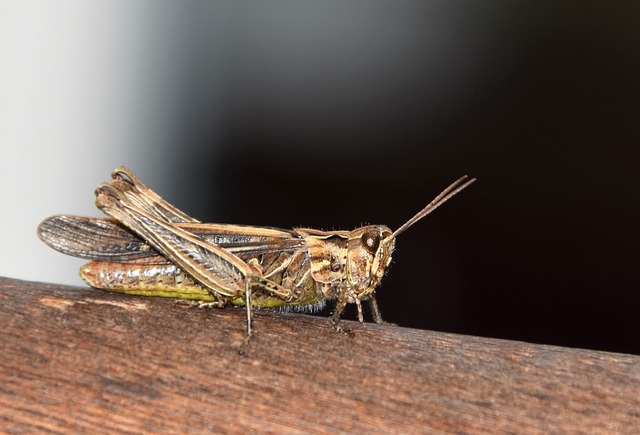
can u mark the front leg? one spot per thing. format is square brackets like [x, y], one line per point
[341, 303]
[375, 310]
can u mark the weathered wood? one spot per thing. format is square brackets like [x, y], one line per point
[77, 359]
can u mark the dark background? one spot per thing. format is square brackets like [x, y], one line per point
[331, 115]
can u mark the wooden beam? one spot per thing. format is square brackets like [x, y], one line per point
[78, 359]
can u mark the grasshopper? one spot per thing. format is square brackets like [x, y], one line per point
[150, 248]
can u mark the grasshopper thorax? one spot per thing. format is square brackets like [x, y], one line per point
[349, 261]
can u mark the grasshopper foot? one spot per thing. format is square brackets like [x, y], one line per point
[201, 304]
[384, 322]
[342, 329]
[245, 345]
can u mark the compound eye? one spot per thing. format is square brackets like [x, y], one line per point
[371, 241]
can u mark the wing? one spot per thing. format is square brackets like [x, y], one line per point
[156, 226]
[107, 240]
[212, 266]
[147, 199]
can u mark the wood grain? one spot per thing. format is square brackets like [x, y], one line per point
[81, 360]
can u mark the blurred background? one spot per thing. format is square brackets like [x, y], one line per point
[334, 114]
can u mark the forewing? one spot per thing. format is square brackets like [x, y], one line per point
[211, 265]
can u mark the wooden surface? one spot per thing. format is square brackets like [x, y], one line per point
[78, 359]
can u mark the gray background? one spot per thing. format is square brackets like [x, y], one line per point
[334, 114]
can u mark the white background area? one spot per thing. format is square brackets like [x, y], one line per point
[84, 87]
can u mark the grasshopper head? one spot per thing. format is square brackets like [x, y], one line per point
[370, 248]
[369, 252]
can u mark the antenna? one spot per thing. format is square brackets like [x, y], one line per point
[457, 186]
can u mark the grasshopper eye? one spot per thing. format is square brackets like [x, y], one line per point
[371, 241]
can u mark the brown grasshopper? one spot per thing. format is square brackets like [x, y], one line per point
[150, 248]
